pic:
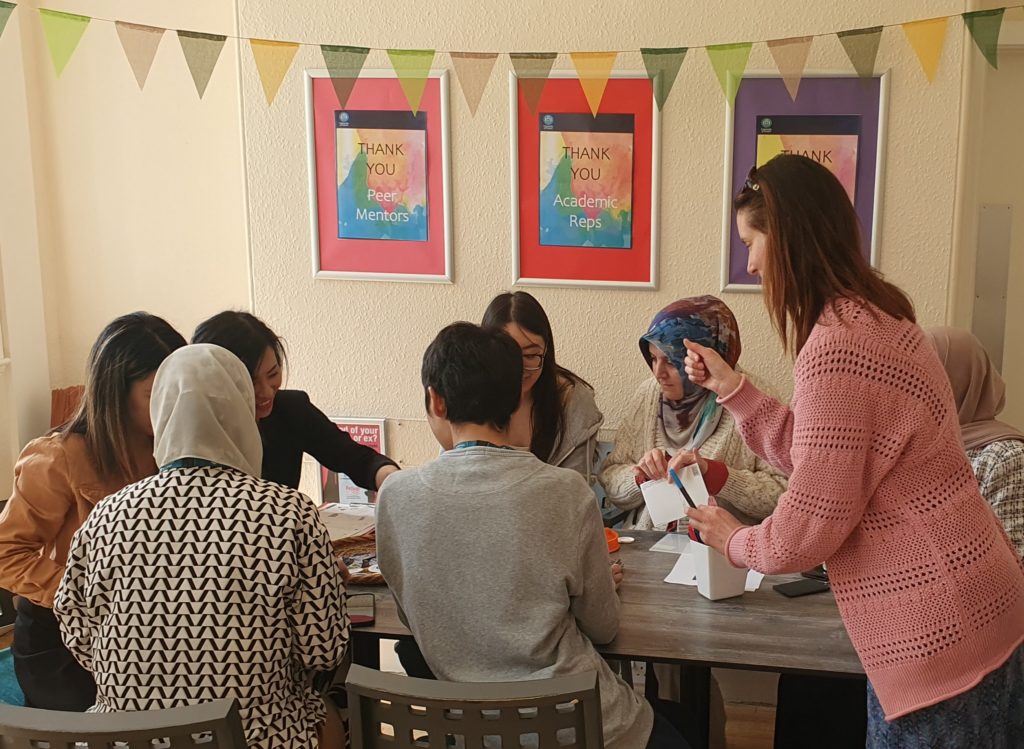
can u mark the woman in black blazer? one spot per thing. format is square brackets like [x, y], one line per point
[289, 423]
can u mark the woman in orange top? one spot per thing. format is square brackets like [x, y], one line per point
[58, 479]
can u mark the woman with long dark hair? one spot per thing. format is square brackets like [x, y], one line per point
[290, 424]
[928, 585]
[58, 479]
[557, 419]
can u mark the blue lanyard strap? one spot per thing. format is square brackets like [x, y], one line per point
[190, 463]
[480, 443]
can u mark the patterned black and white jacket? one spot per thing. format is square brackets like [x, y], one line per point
[203, 583]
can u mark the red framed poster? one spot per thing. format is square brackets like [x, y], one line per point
[585, 187]
[380, 203]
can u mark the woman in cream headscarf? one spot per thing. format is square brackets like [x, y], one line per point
[996, 449]
[205, 581]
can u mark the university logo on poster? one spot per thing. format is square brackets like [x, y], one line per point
[586, 180]
[831, 140]
[382, 174]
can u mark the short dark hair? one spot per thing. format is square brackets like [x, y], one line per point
[478, 372]
[244, 335]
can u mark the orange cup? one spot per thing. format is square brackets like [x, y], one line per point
[612, 537]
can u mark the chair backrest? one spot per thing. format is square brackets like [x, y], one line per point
[210, 725]
[63, 404]
[392, 711]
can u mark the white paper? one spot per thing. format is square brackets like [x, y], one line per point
[347, 520]
[694, 484]
[664, 501]
[684, 573]
[673, 543]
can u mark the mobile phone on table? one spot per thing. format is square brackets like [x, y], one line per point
[361, 609]
[798, 588]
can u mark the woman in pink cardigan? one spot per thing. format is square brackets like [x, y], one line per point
[929, 587]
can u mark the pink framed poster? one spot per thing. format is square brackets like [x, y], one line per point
[584, 186]
[337, 487]
[380, 205]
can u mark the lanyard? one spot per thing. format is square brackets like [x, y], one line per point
[480, 443]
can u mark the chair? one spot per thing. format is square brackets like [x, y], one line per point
[389, 711]
[173, 728]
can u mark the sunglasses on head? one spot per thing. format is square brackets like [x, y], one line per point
[749, 182]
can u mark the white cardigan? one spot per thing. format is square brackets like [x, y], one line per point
[753, 487]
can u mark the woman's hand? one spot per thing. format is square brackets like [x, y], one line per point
[617, 573]
[687, 458]
[715, 525]
[705, 367]
[382, 473]
[653, 466]
[345, 574]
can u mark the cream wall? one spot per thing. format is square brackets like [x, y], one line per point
[356, 345]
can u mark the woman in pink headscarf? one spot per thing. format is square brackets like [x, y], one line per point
[996, 449]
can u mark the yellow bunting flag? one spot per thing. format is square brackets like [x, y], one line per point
[927, 38]
[201, 53]
[594, 69]
[412, 66]
[861, 47]
[532, 69]
[63, 31]
[344, 64]
[790, 57]
[273, 60]
[139, 44]
[984, 26]
[473, 70]
[663, 65]
[5, 13]
[729, 62]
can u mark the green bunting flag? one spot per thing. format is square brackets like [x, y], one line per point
[413, 68]
[861, 47]
[663, 65]
[201, 53]
[5, 13]
[532, 69]
[63, 31]
[729, 62]
[344, 64]
[984, 26]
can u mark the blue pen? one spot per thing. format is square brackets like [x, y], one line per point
[686, 495]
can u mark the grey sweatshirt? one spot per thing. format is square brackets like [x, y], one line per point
[499, 567]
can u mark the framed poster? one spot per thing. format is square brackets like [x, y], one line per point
[837, 120]
[585, 187]
[380, 203]
[337, 487]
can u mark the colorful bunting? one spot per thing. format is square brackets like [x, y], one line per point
[790, 57]
[63, 32]
[473, 69]
[927, 38]
[729, 62]
[5, 13]
[413, 68]
[273, 59]
[594, 69]
[984, 26]
[663, 65]
[532, 69]
[861, 47]
[201, 53]
[344, 64]
[139, 44]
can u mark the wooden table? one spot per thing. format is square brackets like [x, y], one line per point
[665, 623]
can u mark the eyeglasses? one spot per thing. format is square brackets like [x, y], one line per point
[533, 362]
[749, 182]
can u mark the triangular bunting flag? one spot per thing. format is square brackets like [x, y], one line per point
[790, 57]
[532, 69]
[139, 44]
[665, 61]
[473, 70]
[984, 26]
[273, 59]
[413, 68]
[63, 31]
[344, 64]
[861, 47]
[5, 13]
[729, 62]
[594, 69]
[201, 53]
[927, 39]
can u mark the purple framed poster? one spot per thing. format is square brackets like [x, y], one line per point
[837, 120]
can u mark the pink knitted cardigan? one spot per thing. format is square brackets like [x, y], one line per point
[928, 585]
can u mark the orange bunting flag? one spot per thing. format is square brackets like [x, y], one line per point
[594, 69]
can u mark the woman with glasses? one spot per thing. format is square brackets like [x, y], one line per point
[557, 419]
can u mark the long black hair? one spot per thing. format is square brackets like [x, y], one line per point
[525, 311]
[244, 335]
[129, 349]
